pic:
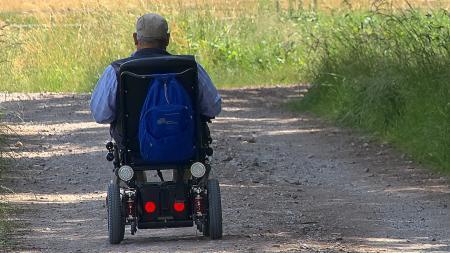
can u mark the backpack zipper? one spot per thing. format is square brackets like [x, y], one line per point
[165, 92]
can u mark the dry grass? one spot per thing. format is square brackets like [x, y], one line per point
[247, 5]
[65, 5]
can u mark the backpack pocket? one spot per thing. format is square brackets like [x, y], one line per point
[167, 120]
[166, 134]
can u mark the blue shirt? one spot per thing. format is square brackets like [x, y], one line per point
[103, 100]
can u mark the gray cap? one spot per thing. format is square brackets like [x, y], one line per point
[152, 26]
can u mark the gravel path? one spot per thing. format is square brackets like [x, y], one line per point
[290, 183]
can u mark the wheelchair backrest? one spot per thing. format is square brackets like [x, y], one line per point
[135, 78]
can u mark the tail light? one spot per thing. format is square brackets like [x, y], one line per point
[150, 207]
[179, 206]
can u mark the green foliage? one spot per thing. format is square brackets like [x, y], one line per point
[67, 51]
[389, 74]
[5, 225]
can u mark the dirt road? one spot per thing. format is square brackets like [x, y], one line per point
[290, 183]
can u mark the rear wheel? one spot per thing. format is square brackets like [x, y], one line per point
[116, 221]
[213, 227]
[204, 229]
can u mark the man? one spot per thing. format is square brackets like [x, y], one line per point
[151, 39]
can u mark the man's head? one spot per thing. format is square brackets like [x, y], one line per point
[152, 31]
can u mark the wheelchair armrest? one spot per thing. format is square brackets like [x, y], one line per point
[206, 133]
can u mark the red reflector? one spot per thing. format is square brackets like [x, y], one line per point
[150, 207]
[178, 206]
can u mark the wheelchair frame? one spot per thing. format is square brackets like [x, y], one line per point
[176, 203]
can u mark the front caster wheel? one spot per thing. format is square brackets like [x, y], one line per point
[213, 226]
[116, 221]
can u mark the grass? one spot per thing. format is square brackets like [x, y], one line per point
[65, 45]
[5, 225]
[248, 5]
[378, 65]
[388, 73]
[67, 51]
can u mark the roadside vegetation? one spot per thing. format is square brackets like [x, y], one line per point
[382, 66]
[65, 45]
[388, 73]
[66, 50]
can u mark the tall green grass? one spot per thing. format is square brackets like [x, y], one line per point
[67, 51]
[388, 73]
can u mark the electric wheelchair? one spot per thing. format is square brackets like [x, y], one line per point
[190, 198]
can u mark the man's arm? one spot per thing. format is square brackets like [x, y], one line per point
[210, 100]
[103, 100]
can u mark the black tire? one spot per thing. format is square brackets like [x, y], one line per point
[116, 222]
[213, 226]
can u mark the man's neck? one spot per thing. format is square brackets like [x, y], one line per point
[138, 47]
[149, 51]
[154, 49]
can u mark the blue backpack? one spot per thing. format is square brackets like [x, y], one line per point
[166, 125]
